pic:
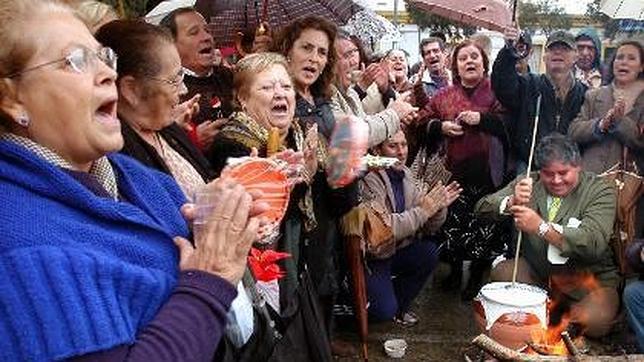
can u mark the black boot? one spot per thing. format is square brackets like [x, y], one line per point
[453, 280]
[478, 269]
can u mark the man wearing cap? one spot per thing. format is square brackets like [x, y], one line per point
[588, 65]
[561, 94]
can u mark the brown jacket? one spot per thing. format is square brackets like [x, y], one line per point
[601, 151]
[376, 188]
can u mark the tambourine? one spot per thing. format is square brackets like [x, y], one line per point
[268, 176]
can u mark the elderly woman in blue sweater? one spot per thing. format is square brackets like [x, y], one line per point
[88, 266]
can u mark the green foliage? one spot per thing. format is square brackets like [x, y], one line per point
[610, 26]
[132, 8]
[425, 20]
[544, 15]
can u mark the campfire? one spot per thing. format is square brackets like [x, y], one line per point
[561, 339]
[505, 322]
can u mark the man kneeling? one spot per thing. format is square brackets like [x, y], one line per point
[566, 216]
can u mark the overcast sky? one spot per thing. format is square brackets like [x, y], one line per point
[571, 6]
[574, 6]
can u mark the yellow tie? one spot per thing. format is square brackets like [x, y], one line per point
[554, 208]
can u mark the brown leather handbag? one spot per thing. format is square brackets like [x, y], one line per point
[378, 235]
[366, 222]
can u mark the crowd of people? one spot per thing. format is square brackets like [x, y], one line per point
[110, 127]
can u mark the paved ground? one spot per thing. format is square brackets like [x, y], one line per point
[446, 329]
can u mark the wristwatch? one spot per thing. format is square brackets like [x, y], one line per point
[543, 229]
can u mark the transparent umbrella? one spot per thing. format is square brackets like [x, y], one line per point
[623, 9]
[369, 27]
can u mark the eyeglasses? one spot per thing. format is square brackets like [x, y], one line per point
[80, 60]
[176, 84]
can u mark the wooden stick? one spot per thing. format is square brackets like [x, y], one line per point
[570, 346]
[506, 354]
[527, 174]
[534, 136]
[539, 348]
[498, 351]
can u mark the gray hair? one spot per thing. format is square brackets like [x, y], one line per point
[557, 147]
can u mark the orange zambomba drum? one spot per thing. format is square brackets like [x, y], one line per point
[511, 314]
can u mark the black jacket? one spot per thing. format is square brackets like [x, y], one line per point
[137, 148]
[519, 95]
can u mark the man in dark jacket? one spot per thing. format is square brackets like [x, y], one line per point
[561, 95]
[634, 291]
[213, 84]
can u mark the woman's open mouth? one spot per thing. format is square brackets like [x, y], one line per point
[106, 113]
[623, 71]
[310, 72]
[280, 109]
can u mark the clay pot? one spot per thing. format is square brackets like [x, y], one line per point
[512, 329]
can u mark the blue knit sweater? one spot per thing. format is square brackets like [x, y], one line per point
[81, 273]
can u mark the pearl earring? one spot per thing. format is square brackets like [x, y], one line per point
[23, 119]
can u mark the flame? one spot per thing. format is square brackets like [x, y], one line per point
[550, 340]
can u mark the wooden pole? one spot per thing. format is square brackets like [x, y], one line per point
[506, 354]
[570, 346]
[527, 174]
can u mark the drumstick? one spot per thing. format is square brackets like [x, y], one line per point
[527, 174]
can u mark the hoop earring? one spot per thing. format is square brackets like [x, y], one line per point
[23, 119]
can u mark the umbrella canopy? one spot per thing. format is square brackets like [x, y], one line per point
[488, 14]
[164, 8]
[232, 16]
[370, 27]
[623, 9]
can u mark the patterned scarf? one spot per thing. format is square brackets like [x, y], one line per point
[245, 130]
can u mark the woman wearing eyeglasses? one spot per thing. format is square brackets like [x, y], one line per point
[88, 267]
[150, 84]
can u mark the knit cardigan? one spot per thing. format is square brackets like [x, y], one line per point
[81, 273]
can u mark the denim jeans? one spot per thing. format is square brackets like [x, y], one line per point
[634, 303]
[393, 283]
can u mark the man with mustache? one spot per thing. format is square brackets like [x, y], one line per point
[561, 94]
[209, 87]
[588, 65]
